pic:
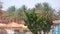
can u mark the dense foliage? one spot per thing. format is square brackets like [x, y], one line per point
[37, 19]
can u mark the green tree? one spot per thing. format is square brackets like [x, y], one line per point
[21, 13]
[38, 8]
[59, 12]
[46, 8]
[13, 13]
[40, 22]
[47, 22]
[10, 13]
[33, 21]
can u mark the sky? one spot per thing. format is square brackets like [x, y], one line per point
[55, 4]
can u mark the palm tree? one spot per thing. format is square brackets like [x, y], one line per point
[38, 8]
[20, 13]
[10, 13]
[46, 7]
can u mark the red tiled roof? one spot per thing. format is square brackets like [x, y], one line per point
[2, 11]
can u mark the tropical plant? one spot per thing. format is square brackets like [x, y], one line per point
[36, 22]
[33, 22]
[10, 13]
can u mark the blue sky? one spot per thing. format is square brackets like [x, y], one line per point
[29, 3]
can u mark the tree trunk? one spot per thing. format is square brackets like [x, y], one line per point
[44, 32]
[47, 32]
[40, 32]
